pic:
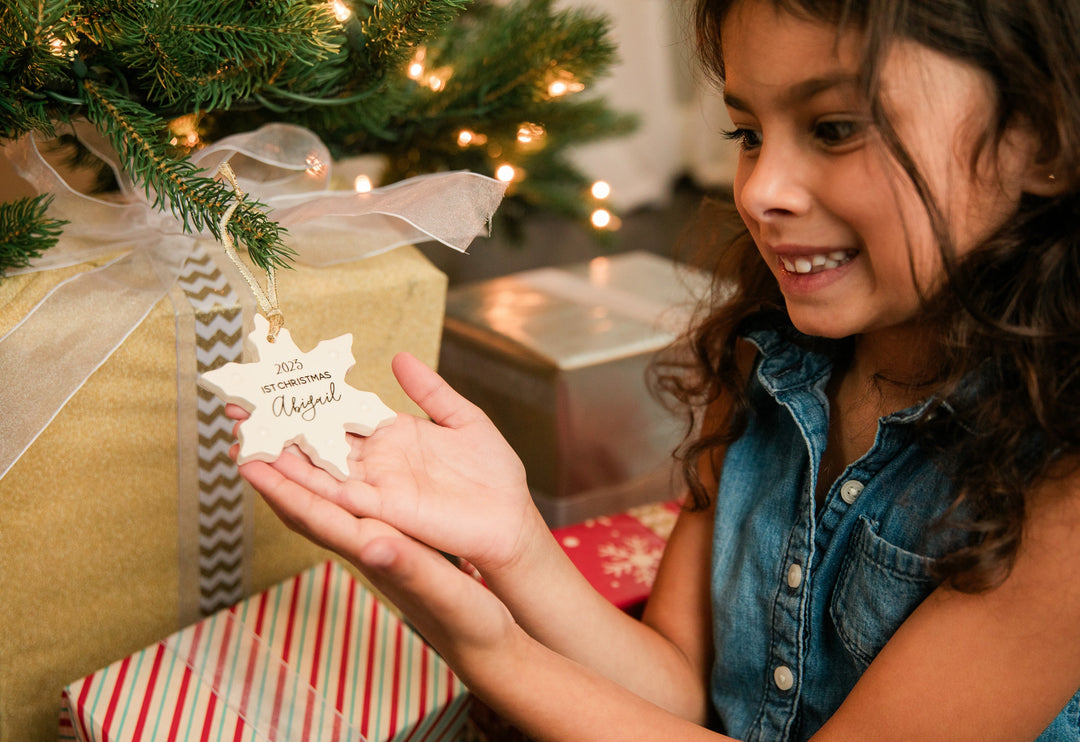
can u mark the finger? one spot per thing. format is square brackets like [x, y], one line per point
[294, 464]
[434, 396]
[315, 517]
[439, 599]
[236, 412]
[412, 573]
[353, 495]
[381, 551]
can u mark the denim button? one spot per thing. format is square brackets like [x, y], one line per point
[850, 490]
[783, 678]
[794, 576]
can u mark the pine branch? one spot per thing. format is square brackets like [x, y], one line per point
[130, 65]
[25, 231]
[31, 33]
[31, 28]
[199, 202]
[401, 25]
[210, 55]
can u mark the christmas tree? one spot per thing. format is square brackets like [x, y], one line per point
[429, 85]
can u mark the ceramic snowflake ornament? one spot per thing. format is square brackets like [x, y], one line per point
[297, 397]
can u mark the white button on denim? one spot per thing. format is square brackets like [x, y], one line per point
[850, 490]
[783, 678]
[794, 576]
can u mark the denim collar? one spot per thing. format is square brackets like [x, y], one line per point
[791, 360]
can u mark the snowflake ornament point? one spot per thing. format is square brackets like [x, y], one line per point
[297, 397]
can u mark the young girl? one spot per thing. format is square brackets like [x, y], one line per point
[884, 504]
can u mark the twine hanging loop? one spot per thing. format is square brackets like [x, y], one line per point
[267, 299]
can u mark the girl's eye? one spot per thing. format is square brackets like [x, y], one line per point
[837, 133]
[746, 138]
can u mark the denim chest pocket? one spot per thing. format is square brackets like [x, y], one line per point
[878, 587]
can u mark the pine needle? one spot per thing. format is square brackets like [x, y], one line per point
[26, 232]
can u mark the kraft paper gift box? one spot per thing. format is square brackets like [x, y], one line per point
[99, 552]
[619, 554]
[317, 657]
[557, 358]
[122, 517]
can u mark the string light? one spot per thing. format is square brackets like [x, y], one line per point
[57, 47]
[470, 138]
[417, 70]
[315, 165]
[528, 133]
[437, 79]
[561, 82]
[600, 190]
[601, 218]
[506, 173]
[362, 184]
[185, 132]
[341, 10]
[416, 64]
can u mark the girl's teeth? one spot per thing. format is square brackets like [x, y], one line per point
[815, 263]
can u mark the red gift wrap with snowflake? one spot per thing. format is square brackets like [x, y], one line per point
[619, 554]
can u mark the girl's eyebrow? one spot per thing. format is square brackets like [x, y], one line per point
[800, 92]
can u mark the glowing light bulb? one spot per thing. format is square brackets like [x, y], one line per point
[416, 64]
[601, 218]
[341, 11]
[505, 173]
[437, 79]
[561, 83]
[185, 132]
[362, 184]
[57, 47]
[469, 138]
[530, 133]
[601, 190]
[315, 165]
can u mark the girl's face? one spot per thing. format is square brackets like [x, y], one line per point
[832, 213]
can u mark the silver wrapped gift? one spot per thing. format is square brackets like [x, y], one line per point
[557, 358]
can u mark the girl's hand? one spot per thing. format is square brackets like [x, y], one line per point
[452, 610]
[451, 482]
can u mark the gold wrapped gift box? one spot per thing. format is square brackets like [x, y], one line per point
[94, 541]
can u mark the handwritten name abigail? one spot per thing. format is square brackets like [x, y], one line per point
[307, 408]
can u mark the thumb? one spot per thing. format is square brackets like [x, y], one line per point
[451, 609]
[431, 392]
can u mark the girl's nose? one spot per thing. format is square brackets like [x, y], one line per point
[769, 185]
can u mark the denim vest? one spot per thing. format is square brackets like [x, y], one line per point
[803, 600]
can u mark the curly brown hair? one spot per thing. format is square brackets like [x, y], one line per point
[1008, 311]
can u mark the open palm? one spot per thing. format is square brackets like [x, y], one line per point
[451, 482]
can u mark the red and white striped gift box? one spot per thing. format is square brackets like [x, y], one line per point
[317, 657]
